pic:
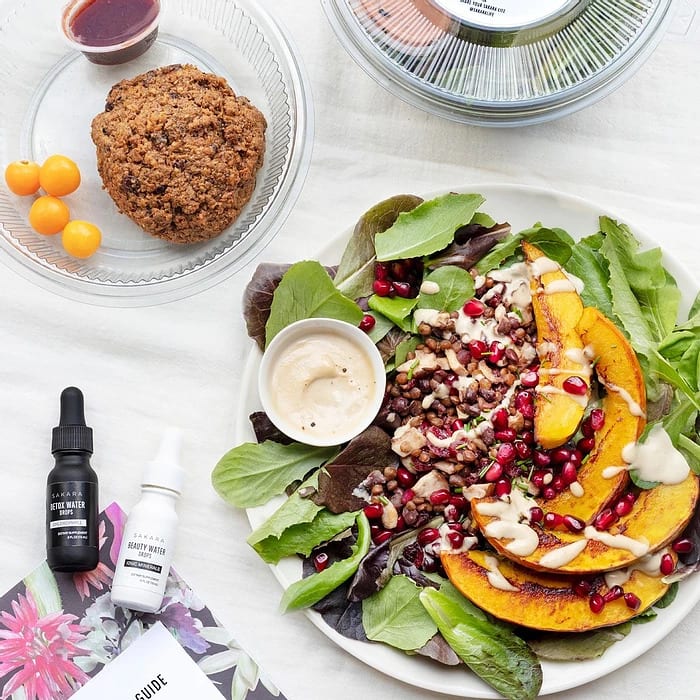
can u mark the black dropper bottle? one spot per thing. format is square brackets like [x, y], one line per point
[71, 491]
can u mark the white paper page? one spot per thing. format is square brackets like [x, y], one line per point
[154, 667]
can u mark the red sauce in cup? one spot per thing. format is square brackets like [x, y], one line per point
[111, 31]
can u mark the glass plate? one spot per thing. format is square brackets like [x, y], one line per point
[48, 97]
[521, 206]
[499, 62]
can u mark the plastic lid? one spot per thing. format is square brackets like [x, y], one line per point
[71, 434]
[165, 470]
[501, 62]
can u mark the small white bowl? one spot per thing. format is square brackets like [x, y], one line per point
[321, 381]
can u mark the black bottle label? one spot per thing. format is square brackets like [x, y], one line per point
[72, 514]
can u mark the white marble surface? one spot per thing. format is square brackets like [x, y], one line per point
[637, 152]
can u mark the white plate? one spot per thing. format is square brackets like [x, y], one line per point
[522, 207]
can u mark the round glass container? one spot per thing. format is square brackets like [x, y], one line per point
[48, 99]
[499, 62]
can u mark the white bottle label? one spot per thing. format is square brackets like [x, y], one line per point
[504, 14]
[143, 560]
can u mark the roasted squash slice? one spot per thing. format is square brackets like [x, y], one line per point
[624, 406]
[557, 307]
[659, 515]
[542, 601]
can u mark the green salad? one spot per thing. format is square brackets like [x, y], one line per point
[434, 530]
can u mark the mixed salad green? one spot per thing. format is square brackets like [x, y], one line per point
[367, 588]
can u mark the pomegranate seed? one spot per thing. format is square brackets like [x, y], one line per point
[457, 425]
[457, 527]
[367, 323]
[505, 454]
[451, 513]
[381, 271]
[382, 288]
[494, 472]
[528, 436]
[406, 496]
[613, 594]
[427, 535]
[503, 487]
[683, 546]
[549, 493]
[402, 289]
[630, 497]
[320, 561]
[529, 379]
[667, 564]
[477, 348]
[473, 308]
[623, 507]
[455, 538]
[575, 385]
[541, 459]
[587, 428]
[553, 520]
[460, 502]
[399, 269]
[605, 519]
[582, 588]
[405, 477]
[586, 444]
[597, 419]
[506, 435]
[632, 601]
[558, 483]
[560, 455]
[569, 474]
[596, 603]
[576, 457]
[440, 497]
[536, 514]
[523, 449]
[497, 351]
[522, 399]
[373, 511]
[381, 537]
[400, 524]
[539, 477]
[574, 524]
[499, 418]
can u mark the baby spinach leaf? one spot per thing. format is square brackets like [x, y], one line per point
[588, 265]
[578, 647]
[427, 228]
[455, 284]
[309, 590]
[257, 299]
[307, 291]
[468, 253]
[396, 309]
[490, 649]
[395, 616]
[356, 269]
[252, 473]
[301, 537]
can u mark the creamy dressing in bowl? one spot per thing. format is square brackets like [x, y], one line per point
[321, 381]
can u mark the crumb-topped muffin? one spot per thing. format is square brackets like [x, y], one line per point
[178, 151]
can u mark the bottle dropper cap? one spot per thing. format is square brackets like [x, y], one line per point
[72, 434]
[165, 470]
